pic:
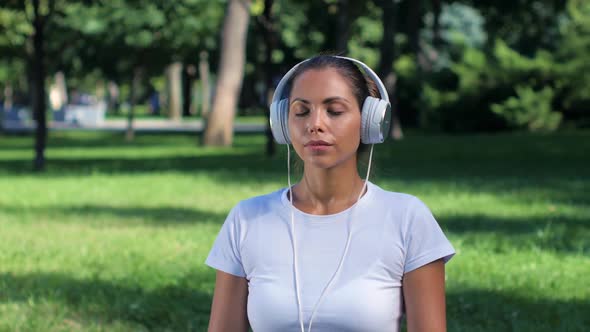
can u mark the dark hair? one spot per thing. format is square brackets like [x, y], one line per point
[359, 84]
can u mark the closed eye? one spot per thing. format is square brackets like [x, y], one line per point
[300, 112]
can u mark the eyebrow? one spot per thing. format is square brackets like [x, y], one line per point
[325, 101]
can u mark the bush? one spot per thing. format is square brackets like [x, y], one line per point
[529, 109]
[462, 100]
[458, 96]
[573, 63]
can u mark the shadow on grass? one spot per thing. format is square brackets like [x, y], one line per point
[89, 212]
[255, 164]
[417, 157]
[178, 307]
[94, 139]
[561, 234]
[183, 308]
[483, 311]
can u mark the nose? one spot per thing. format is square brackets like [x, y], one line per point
[316, 122]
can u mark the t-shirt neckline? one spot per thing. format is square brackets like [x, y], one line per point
[327, 217]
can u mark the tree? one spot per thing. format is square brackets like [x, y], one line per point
[38, 14]
[219, 129]
[386, 60]
[174, 78]
[266, 24]
[127, 41]
[205, 84]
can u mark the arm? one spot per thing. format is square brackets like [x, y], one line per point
[228, 311]
[424, 297]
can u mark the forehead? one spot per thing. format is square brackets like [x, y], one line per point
[321, 83]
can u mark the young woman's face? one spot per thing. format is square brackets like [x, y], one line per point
[324, 119]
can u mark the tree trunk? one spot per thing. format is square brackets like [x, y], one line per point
[38, 87]
[343, 31]
[219, 129]
[113, 99]
[100, 91]
[174, 73]
[137, 75]
[8, 98]
[414, 23]
[385, 68]
[436, 38]
[188, 78]
[205, 84]
[270, 41]
[205, 91]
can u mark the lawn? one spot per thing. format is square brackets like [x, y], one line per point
[113, 236]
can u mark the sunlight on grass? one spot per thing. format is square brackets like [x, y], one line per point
[113, 236]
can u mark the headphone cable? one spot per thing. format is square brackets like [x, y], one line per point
[294, 243]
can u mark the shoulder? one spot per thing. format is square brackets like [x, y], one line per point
[260, 205]
[397, 200]
[401, 207]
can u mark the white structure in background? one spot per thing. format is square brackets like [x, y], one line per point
[58, 94]
[90, 115]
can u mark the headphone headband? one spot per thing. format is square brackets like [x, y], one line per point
[380, 86]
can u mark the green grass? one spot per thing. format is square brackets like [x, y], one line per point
[113, 236]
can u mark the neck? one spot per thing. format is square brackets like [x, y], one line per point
[328, 191]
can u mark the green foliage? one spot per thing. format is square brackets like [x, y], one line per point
[573, 56]
[460, 26]
[14, 28]
[525, 25]
[466, 80]
[487, 48]
[366, 34]
[112, 37]
[297, 32]
[311, 27]
[460, 98]
[11, 70]
[529, 109]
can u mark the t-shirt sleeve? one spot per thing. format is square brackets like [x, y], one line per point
[225, 253]
[425, 241]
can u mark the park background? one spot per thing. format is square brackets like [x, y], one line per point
[130, 128]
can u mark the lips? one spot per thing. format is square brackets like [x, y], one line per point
[317, 143]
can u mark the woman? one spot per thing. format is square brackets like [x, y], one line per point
[336, 252]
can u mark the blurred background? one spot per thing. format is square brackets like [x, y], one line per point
[128, 129]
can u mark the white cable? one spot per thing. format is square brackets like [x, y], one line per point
[346, 246]
[294, 241]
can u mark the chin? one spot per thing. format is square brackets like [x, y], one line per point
[322, 162]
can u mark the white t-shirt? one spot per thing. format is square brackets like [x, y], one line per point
[392, 234]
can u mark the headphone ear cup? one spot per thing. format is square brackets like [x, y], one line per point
[279, 116]
[375, 118]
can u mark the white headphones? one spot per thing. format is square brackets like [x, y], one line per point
[375, 113]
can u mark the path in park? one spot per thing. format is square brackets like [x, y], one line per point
[139, 125]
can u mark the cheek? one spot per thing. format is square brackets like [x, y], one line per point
[350, 130]
[293, 131]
